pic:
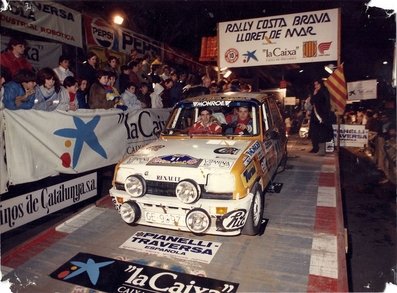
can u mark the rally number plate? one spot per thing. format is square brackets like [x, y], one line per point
[168, 219]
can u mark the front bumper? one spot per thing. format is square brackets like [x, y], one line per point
[170, 213]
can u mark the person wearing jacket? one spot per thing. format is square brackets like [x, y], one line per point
[19, 93]
[47, 95]
[129, 98]
[13, 58]
[99, 92]
[156, 96]
[68, 98]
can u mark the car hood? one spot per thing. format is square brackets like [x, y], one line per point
[188, 153]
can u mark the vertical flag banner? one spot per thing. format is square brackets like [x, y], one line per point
[336, 85]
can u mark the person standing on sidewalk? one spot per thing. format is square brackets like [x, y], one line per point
[320, 130]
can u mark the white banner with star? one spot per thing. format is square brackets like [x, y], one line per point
[40, 144]
[282, 39]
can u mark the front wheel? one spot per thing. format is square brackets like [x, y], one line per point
[130, 212]
[254, 220]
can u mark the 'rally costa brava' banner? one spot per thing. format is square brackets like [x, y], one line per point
[26, 208]
[46, 19]
[40, 144]
[292, 38]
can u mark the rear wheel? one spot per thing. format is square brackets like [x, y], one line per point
[254, 220]
[130, 212]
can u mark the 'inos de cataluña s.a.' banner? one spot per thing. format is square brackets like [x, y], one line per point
[46, 19]
[292, 38]
[39, 144]
[22, 209]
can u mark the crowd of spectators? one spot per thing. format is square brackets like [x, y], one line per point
[140, 83]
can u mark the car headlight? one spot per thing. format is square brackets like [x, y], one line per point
[198, 221]
[135, 186]
[187, 191]
[220, 183]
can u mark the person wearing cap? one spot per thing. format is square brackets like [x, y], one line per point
[206, 124]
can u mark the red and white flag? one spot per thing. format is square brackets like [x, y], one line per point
[336, 85]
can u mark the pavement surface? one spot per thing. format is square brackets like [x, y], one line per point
[370, 216]
[301, 249]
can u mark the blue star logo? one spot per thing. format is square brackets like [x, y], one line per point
[84, 133]
[91, 267]
[249, 55]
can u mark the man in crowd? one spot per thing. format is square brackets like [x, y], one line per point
[13, 58]
[62, 71]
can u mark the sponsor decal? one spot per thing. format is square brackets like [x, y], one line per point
[226, 151]
[174, 246]
[231, 55]
[112, 275]
[309, 49]
[249, 55]
[232, 221]
[168, 178]
[217, 163]
[211, 103]
[252, 150]
[137, 160]
[247, 160]
[322, 47]
[155, 148]
[175, 160]
[26, 208]
[249, 175]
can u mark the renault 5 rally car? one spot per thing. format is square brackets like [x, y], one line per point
[206, 182]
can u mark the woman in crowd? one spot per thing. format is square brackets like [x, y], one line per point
[143, 95]
[88, 69]
[81, 94]
[47, 96]
[100, 95]
[112, 66]
[19, 93]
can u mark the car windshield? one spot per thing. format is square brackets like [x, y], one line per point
[223, 118]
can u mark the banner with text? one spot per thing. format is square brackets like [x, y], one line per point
[362, 90]
[26, 208]
[293, 38]
[46, 19]
[99, 33]
[111, 275]
[351, 135]
[173, 246]
[41, 144]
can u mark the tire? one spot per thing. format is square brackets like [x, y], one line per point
[130, 212]
[254, 219]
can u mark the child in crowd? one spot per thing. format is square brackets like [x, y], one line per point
[19, 93]
[129, 98]
[68, 95]
[100, 92]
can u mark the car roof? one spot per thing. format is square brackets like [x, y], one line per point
[229, 96]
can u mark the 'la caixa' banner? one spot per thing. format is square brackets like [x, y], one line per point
[111, 275]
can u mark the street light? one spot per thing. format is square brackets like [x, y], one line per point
[118, 19]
